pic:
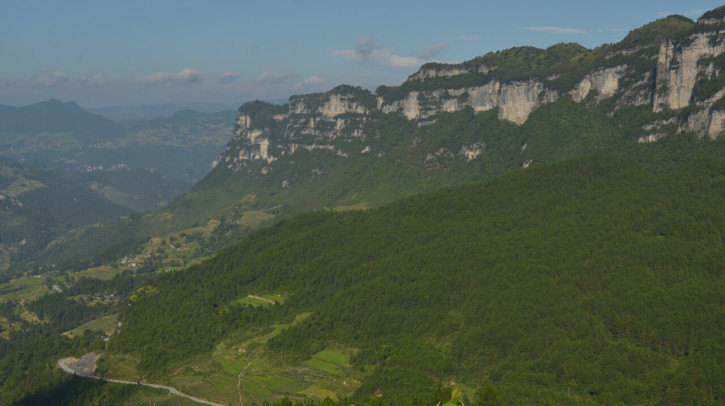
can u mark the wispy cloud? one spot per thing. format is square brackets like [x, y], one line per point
[186, 76]
[96, 80]
[468, 37]
[271, 77]
[311, 82]
[618, 29]
[228, 77]
[49, 79]
[369, 50]
[556, 30]
[434, 50]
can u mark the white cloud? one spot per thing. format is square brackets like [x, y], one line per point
[434, 50]
[555, 30]
[269, 76]
[369, 50]
[618, 29]
[311, 82]
[97, 80]
[186, 76]
[50, 79]
[468, 37]
[228, 77]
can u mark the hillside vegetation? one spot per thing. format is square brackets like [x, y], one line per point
[583, 282]
[36, 206]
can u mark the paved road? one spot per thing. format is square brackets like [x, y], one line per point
[63, 364]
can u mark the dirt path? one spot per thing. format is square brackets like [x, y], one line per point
[264, 299]
[82, 367]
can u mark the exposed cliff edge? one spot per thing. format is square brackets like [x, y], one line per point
[674, 65]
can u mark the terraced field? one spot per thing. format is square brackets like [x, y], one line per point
[240, 367]
[106, 324]
[27, 288]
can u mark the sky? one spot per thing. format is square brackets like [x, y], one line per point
[106, 53]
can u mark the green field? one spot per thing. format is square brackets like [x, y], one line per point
[262, 300]
[23, 288]
[315, 391]
[103, 272]
[333, 357]
[356, 206]
[106, 324]
[321, 365]
[265, 376]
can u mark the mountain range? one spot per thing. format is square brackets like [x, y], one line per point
[531, 226]
[655, 96]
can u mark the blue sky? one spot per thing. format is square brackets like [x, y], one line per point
[101, 53]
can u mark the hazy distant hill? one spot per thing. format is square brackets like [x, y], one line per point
[174, 151]
[130, 115]
[37, 205]
[52, 125]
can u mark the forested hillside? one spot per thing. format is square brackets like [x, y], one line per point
[584, 282]
[36, 206]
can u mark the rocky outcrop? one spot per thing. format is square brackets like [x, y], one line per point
[252, 143]
[707, 122]
[677, 70]
[333, 105]
[604, 81]
[515, 100]
[409, 106]
[434, 71]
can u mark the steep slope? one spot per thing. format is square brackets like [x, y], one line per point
[37, 205]
[450, 124]
[582, 282]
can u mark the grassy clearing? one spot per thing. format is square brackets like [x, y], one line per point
[316, 391]
[275, 382]
[356, 206]
[106, 324]
[263, 300]
[102, 272]
[322, 366]
[253, 218]
[27, 288]
[333, 357]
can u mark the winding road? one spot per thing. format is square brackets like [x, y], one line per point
[63, 364]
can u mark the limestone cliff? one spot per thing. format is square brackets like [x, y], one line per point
[673, 66]
[678, 66]
[604, 81]
[515, 100]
